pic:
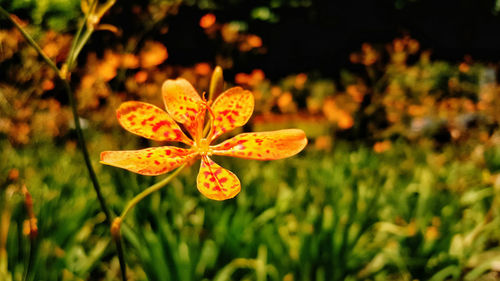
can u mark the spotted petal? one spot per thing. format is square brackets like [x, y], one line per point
[216, 182]
[231, 109]
[149, 121]
[263, 145]
[149, 161]
[184, 105]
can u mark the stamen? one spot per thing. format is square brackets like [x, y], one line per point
[212, 118]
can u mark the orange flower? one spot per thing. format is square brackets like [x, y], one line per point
[207, 20]
[230, 110]
[153, 53]
[202, 68]
[382, 146]
[254, 41]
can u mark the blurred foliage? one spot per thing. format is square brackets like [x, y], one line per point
[407, 213]
[400, 181]
[54, 14]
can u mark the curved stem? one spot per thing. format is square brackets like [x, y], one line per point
[71, 55]
[116, 225]
[78, 47]
[76, 119]
[157, 186]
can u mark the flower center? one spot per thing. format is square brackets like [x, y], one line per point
[203, 147]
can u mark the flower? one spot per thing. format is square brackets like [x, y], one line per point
[230, 110]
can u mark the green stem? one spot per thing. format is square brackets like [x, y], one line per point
[116, 225]
[86, 157]
[31, 257]
[78, 47]
[71, 55]
[157, 186]
[76, 119]
[121, 258]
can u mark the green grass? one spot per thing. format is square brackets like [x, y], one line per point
[350, 214]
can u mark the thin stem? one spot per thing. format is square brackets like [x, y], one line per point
[116, 225]
[79, 47]
[75, 50]
[30, 41]
[85, 152]
[121, 258]
[31, 257]
[72, 102]
[71, 56]
[157, 186]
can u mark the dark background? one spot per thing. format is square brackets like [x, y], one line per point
[320, 37]
[307, 35]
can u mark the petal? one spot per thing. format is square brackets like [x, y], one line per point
[149, 121]
[263, 145]
[231, 109]
[149, 161]
[216, 182]
[184, 105]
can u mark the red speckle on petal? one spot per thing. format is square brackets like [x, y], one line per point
[178, 134]
[157, 162]
[223, 180]
[159, 125]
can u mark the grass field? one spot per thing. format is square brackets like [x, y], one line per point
[409, 213]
